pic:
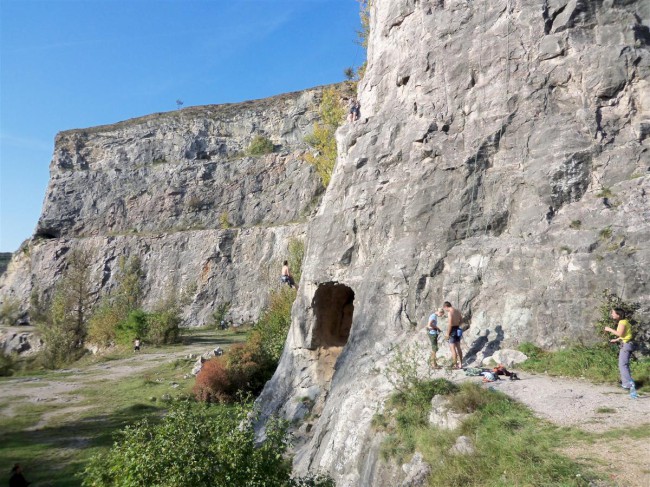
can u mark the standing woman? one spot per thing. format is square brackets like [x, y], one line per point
[624, 336]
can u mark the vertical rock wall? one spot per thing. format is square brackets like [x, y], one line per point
[502, 163]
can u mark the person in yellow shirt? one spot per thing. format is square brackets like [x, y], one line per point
[625, 337]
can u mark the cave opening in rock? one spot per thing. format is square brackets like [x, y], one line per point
[333, 307]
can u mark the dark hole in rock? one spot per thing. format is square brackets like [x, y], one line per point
[333, 307]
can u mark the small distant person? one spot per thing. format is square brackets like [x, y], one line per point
[354, 110]
[136, 344]
[286, 276]
[433, 332]
[453, 334]
[17, 479]
[625, 338]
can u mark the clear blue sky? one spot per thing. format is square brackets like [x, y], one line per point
[68, 64]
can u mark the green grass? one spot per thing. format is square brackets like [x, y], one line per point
[512, 447]
[54, 454]
[596, 363]
[605, 410]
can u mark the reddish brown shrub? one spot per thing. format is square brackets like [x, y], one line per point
[243, 369]
[212, 382]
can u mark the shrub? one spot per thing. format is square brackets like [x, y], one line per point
[10, 311]
[213, 382]
[244, 370]
[273, 325]
[323, 140]
[163, 327]
[135, 325]
[224, 220]
[194, 445]
[248, 366]
[296, 256]
[260, 146]
[220, 314]
[103, 325]
[7, 364]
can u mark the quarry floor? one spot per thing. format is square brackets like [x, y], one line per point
[603, 411]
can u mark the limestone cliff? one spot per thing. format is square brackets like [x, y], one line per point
[501, 163]
[178, 190]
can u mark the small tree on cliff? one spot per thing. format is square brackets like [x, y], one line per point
[116, 307]
[64, 330]
[322, 140]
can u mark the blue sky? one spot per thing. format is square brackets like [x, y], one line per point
[68, 64]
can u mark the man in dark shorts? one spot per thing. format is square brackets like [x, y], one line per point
[453, 334]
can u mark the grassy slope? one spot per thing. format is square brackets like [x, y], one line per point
[512, 446]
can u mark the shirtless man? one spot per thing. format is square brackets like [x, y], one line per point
[286, 276]
[455, 319]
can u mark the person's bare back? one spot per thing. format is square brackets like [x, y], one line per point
[455, 318]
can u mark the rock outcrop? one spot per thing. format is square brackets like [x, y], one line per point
[179, 191]
[502, 163]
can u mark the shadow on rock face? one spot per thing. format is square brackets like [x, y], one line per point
[485, 344]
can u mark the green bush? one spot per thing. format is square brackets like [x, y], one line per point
[260, 146]
[194, 445]
[163, 327]
[135, 325]
[220, 314]
[273, 325]
[323, 139]
[10, 311]
[8, 364]
[103, 324]
[296, 256]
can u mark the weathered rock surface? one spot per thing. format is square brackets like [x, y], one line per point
[501, 163]
[506, 357]
[19, 340]
[177, 190]
[441, 416]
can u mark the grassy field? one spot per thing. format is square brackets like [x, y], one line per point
[54, 437]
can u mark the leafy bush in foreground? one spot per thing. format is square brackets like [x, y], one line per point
[194, 445]
[200, 446]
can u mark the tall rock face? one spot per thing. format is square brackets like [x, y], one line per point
[178, 191]
[501, 163]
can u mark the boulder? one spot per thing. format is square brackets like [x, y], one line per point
[507, 357]
[441, 416]
[417, 471]
[463, 446]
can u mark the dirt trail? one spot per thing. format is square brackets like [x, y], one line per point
[61, 391]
